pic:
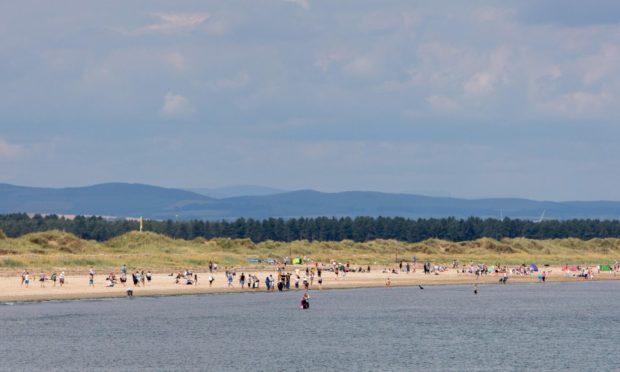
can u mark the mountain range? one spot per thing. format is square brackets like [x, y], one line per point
[134, 200]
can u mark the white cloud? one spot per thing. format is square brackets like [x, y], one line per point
[492, 14]
[480, 83]
[360, 66]
[442, 103]
[236, 82]
[10, 150]
[302, 3]
[172, 22]
[176, 60]
[579, 103]
[175, 105]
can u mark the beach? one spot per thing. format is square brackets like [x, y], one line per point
[163, 284]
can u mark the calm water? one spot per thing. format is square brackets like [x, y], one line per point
[571, 326]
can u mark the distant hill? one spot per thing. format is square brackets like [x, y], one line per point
[133, 200]
[238, 190]
[109, 199]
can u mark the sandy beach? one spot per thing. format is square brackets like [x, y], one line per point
[77, 286]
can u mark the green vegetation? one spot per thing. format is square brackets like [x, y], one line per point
[61, 250]
[359, 229]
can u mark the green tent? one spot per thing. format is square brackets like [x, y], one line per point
[605, 267]
[297, 260]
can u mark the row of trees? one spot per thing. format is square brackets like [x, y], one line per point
[320, 228]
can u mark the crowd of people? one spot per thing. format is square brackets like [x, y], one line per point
[286, 277]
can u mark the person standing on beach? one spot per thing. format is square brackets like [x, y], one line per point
[242, 280]
[23, 277]
[91, 277]
[61, 278]
[42, 279]
[53, 279]
[27, 279]
[211, 279]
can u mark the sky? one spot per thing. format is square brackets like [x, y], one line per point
[447, 98]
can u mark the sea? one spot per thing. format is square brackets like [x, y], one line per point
[521, 327]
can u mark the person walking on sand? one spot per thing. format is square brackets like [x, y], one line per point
[23, 277]
[61, 278]
[242, 280]
[211, 279]
[53, 279]
[27, 279]
[388, 283]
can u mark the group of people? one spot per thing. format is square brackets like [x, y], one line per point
[284, 280]
[186, 277]
[138, 278]
[26, 278]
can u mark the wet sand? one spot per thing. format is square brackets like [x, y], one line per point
[77, 287]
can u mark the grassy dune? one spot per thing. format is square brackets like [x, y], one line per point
[62, 251]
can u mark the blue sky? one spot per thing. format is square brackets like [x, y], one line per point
[469, 99]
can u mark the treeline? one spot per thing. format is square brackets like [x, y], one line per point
[321, 228]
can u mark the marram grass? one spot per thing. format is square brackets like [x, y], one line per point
[56, 250]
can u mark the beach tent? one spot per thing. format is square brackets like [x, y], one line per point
[297, 260]
[534, 268]
[605, 267]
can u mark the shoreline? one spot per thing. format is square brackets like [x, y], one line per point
[163, 285]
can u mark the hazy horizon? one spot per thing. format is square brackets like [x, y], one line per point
[463, 99]
[233, 190]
